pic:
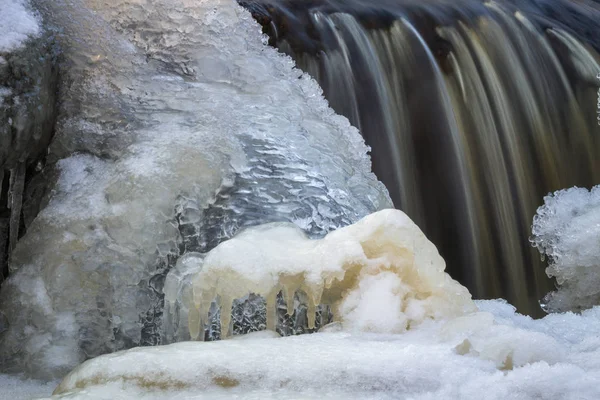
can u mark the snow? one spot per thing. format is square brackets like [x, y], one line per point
[512, 356]
[17, 24]
[13, 387]
[566, 229]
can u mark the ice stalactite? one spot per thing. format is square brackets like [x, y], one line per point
[15, 193]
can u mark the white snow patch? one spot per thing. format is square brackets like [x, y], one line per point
[17, 24]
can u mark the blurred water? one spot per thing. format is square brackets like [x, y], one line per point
[474, 110]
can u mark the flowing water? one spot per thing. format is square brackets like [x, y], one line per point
[474, 111]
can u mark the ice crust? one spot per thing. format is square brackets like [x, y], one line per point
[178, 126]
[17, 24]
[380, 274]
[566, 230]
[510, 356]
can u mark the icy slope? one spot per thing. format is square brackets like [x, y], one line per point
[178, 126]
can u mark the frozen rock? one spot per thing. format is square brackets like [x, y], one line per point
[178, 126]
[380, 274]
[566, 230]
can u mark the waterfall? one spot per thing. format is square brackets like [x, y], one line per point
[473, 111]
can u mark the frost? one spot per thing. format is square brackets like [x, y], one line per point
[178, 127]
[17, 24]
[566, 229]
[380, 274]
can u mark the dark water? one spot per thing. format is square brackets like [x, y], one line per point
[474, 111]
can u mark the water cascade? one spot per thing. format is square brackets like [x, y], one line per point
[474, 111]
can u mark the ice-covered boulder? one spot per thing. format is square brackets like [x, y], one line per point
[178, 126]
[380, 274]
[566, 230]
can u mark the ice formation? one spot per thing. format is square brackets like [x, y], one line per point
[566, 229]
[509, 356]
[14, 387]
[178, 126]
[380, 274]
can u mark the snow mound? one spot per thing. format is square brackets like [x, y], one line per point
[380, 274]
[566, 229]
[17, 24]
[512, 356]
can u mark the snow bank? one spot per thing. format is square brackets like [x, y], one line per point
[511, 356]
[566, 229]
[17, 24]
[380, 274]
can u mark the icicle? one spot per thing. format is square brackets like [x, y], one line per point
[194, 324]
[272, 310]
[289, 300]
[311, 313]
[17, 183]
[226, 303]
[4, 223]
[289, 286]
